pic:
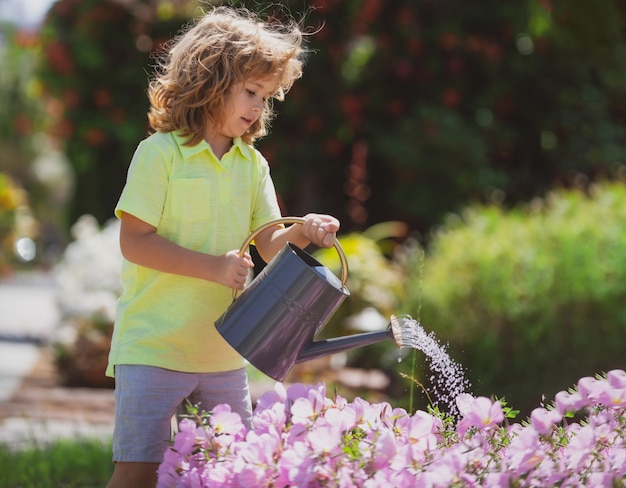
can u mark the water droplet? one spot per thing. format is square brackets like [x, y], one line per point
[448, 379]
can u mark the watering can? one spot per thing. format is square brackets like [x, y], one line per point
[273, 323]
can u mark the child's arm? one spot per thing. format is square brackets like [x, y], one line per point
[318, 229]
[141, 245]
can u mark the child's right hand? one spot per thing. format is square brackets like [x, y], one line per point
[233, 269]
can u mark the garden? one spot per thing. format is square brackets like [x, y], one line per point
[476, 159]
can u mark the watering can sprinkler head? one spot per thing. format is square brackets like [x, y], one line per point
[273, 323]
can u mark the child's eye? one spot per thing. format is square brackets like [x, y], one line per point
[251, 92]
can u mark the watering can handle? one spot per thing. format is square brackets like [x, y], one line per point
[295, 220]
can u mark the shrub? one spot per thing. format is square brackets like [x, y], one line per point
[532, 297]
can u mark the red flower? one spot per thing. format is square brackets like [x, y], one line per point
[451, 97]
[117, 115]
[22, 124]
[449, 41]
[59, 57]
[94, 136]
[102, 98]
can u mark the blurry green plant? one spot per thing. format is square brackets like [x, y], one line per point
[375, 274]
[19, 99]
[533, 297]
[93, 71]
[75, 463]
[417, 120]
[8, 205]
[449, 105]
[18, 228]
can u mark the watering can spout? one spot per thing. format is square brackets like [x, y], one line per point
[336, 345]
[401, 330]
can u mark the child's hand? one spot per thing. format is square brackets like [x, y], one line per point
[233, 271]
[321, 230]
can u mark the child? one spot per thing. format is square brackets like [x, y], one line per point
[195, 190]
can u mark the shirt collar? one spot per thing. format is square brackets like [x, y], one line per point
[188, 152]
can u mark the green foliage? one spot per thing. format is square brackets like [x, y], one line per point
[374, 280]
[533, 297]
[18, 96]
[449, 104]
[96, 55]
[67, 463]
[8, 204]
[20, 113]
[443, 108]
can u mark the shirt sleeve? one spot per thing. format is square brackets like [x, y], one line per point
[146, 185]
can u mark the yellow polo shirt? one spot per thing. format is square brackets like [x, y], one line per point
[200, 203]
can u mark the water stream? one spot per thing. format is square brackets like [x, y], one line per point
[448, 379]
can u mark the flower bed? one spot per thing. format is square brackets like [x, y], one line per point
[303, 438]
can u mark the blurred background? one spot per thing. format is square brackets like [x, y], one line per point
[474, 154]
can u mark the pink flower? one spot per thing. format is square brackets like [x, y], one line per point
[303, 439]
[225, 421]
[187, 437]
[295, 466]
[418, 431]
[579, 449]
[464, 402]
[525, 452]
[616, 378]
[250, 475]
[218, 474]
[569, 402]
[385, 449]
[616, 461]
[299, 390]
[543, 421]
[587, 386]
[303, 411]
[612, 397]
[168, 469]
[325, 439]
[269, 398]
[271, 417]
[482, 414]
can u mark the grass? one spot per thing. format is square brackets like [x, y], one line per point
[61, 464]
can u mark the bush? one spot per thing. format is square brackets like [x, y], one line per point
[533, 297]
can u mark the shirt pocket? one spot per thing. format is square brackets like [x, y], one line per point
[192, 200]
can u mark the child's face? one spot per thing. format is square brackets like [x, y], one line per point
[245, 105]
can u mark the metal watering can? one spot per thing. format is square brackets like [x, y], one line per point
[273, 323]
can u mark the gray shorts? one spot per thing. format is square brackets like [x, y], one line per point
[147, 397]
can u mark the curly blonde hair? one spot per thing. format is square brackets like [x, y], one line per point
[224, 47]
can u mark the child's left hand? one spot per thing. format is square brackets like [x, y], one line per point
[320, 229]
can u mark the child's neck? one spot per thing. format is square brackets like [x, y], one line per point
[219, 144]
